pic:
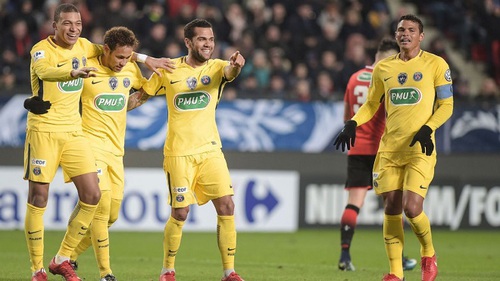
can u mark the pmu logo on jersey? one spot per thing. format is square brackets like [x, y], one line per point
[402, 77]
[191, 101]
[110, 102]
[72, 86]
[405, 96]
[38, 162]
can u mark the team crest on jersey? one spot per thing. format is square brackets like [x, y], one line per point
[113, 83]
[402, 77]
[179, 198]
[205, 80]
[75, 63]
[38, 55]
[192, 82]
[417, 76]
[37, 171]
[447, 75]
[126, 82]
[84, 61]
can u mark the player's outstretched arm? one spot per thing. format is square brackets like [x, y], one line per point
[236, 63]
[347, 136]
[137, 99]
[154, 64]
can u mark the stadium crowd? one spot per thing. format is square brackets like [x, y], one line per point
[299, 50]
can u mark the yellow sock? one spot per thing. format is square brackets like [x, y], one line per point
[77, 228]
[84, 244]
[226, 238]
[422, 229]
[34, 230]
[100, 235]
[114, 211]
[394, 242]
[171, 241]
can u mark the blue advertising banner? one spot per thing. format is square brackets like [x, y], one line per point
[275, 125]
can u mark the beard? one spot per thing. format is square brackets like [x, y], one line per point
[199, 57]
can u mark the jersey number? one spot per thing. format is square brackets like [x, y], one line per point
[361, 94]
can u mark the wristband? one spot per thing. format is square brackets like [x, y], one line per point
[141, 57]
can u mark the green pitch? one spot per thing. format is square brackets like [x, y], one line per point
[305, 255]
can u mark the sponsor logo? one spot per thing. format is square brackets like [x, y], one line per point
[99, 240]
[37, 171]
[405, 96]
[71, 86]
[231, 249]
[38, 162]
[84, 228]
[110, 102]
[61, 64]
[390, 238]
[447, 75]
[38, 55]
[423, 187]
[96, 82]
[173, 82]
[180, 189]
[191, 101]
[385, 79]
[179, 198]
[205, 80]
[33, 232]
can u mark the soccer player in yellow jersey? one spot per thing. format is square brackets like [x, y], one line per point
[54, 136]
[194, 164]
[104, 114]
[416, 89]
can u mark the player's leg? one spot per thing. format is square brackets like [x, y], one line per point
[359, 181]
[388, 176]
[41, 160]
[181, 174]
[78, 163]
[419, 177]
[214, 183]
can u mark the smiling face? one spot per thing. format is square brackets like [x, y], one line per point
[201, 45]
[409, 36]
[67, 29]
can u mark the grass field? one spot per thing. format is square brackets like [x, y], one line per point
[305, 255]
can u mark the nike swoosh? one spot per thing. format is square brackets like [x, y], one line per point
[95, 82]
[231, 249]
[385, 79]
[84, 228]
[33, 232]
[173, 82]
[423, 187]
[61, 64]
[390, 238]
[99, 240]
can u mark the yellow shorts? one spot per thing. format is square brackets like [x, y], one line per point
[197, 178]
[403, 171]
[45, 151]
[110, 172]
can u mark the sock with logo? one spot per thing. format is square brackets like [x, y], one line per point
[394, 242]
[226, 239]
[172, 236]
[347, 226]
[100, 235]
[34, 231]
[77, 228]
[422, 229]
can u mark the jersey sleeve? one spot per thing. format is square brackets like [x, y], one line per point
[43, 67]
[154, 86]
[370, 107]
[139, 80]
[93, 50]
[442, 74]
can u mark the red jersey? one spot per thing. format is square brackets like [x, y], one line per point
[367, 135]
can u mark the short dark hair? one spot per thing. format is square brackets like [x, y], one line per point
[189, 27]
[387, 45]
[413, 18]
[64, 8]
[120, 36]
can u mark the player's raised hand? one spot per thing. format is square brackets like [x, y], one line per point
[84, 72]
[347, 136]
[154, 63]
[237, 60]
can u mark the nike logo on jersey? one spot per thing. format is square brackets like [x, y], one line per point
[95, 82]
[385, 79]
[99, 240]
[173, 82]
[61, 64]
[423, 187]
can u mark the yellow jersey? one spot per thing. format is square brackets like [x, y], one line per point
[192, 96]
[104, 104]
[50, 70]
[408, 90]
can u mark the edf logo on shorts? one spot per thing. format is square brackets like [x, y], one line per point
[38, 162]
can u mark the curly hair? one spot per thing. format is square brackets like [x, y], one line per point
[120, 36]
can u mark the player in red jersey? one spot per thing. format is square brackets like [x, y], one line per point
[361, 157]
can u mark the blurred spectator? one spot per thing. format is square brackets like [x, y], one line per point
[277, 87]
[461, 90]
[156, 40]
[19, 40]
[302, 91]
[258, 66]
[154, 13]
[325, 88]
[489, 94]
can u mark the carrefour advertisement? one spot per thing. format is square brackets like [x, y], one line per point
[264, 201]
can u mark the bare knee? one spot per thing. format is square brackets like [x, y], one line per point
[88, 188]
[412, 204]
[180, 214]
[38, 194]
[224, 205]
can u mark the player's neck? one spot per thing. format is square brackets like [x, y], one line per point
[61, 43]
[406, 55]
[194, 63]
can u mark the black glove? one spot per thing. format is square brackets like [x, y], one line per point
[36, 105]
[347, 136]
[423, 136]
